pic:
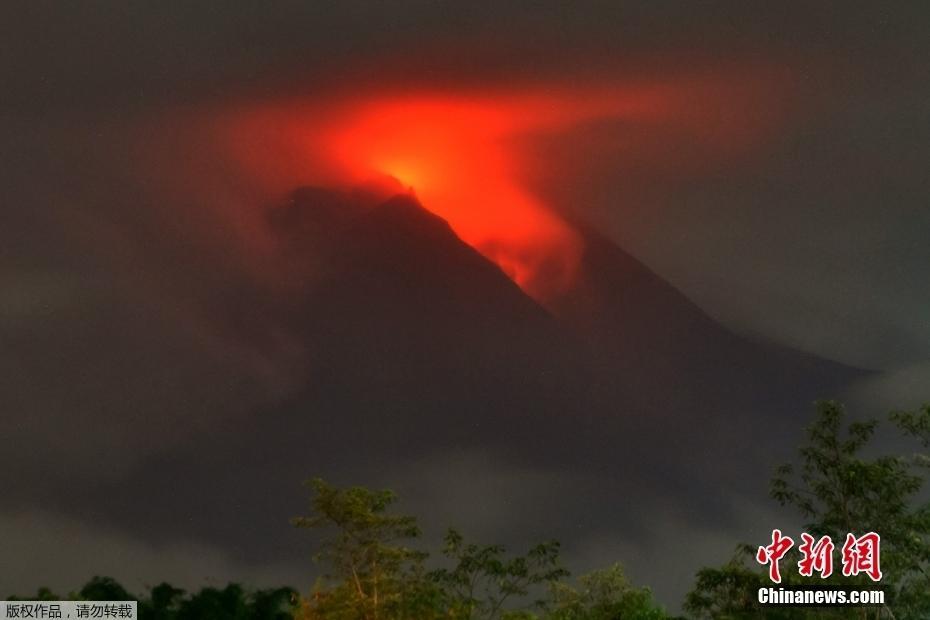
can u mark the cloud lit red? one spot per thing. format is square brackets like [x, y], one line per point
[456, 155]
[462, 154]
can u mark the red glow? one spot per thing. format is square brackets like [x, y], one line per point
[461, 153]
[455, 156]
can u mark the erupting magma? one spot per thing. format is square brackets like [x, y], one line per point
[457, 156]
[462, 156]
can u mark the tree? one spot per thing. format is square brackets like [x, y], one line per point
[729, 592]
[482, 579]
[912, 596]
[163, 602]
[372, 574]
[916, 424]
[839, 488]
[274, 604]
[212, 603]
[602, 595]
[104, 589]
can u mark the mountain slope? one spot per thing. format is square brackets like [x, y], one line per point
[420, 349]
[638, 325]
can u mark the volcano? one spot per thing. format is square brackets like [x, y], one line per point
[417, 345]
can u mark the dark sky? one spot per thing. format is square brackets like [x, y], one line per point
[125, 239]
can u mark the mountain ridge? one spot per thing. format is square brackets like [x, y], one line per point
[419, 347]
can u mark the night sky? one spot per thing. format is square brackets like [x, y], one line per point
[184, 338]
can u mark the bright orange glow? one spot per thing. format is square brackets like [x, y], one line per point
[464, 156]
[454, 156]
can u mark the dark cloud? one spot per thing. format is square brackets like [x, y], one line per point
[83, 549]
[114, 56]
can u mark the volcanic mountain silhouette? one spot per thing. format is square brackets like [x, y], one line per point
[407, 308]
[420, 346]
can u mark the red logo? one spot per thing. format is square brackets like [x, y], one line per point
[816, 556]
[860, 555]
[773, 553]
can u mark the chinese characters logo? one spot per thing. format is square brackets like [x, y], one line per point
[859, 555]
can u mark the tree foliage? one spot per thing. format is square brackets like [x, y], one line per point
[483, 579]
[842, 484]
[166, 602]
[373, 573]
[729, 592]
[602, 595]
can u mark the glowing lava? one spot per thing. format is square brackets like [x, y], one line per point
[457, 158]
[463, 154]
